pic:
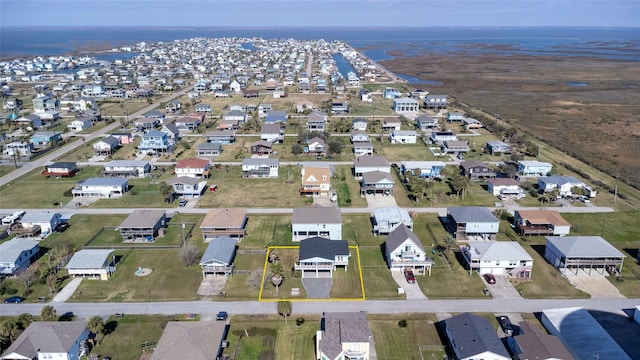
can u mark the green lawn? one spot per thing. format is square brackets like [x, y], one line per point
[419, 340]
[347, 188]
[267, 230]
[378, 282]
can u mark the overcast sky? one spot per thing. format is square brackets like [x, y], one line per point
[275, 13]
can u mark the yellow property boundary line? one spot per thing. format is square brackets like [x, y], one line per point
[264, 274]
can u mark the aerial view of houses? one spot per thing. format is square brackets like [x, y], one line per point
[230, 197]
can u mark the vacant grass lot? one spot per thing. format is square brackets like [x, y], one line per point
[419, 340]
[267, 230]
[347, 188]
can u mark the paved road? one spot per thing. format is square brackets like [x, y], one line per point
[85, 310]
[51, 156]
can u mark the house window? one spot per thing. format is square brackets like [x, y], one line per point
[512, 263]
[497, 262]
[407, 248]
[476, 226]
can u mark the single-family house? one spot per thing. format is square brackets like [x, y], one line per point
[339, 107]
[504, 187]
[387, 219]
[376, 182]
[80, 124]
[100, 187]
[48, 221]
[123, 137]
[17, 148]
[45, 138]
[145, 124]
[359, 124]
[61, 169]
[471, 123]
[155, 114]
[275, 117]
[497, 257]
[43, 103]
[406, 105]
[436, 102]
[155, 142]
[472, 223]
[279, 93]
[203, 108]
[319, 256]
[455, 116]
[236, 88]
[315, 181]
[534, 168]
[143, 225]
[365, 95]
[423, 169]
[221, 136]
[319, 221]
[187, 187]
[498, 147]
[92, 263]
[473, 337]
[391, 124]
[316, 121]
[209, 150]
[229, 222]
[586, 253]
[17, 254]
[532, 342]
[474, 170]
[303, 106]
[426, 122]
[403, 249]
[193, 340]
[455, 146]
[403, 137]
[391, 93]
[261, 147]
[251, 93]
[273, 133]
[564, 184]
[540, 222]
[127, 168]
[218, 257]
[173, 106]
[316, 146]
[260, 168]
[50, 340]
[188, 123]
[193, 95]
[363, 148]
[32, 120]
[364, 164]
[192, 167]
[344, 335]
[359, 136]
[439, 137]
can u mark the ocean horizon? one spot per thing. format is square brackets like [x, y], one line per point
[376, 42]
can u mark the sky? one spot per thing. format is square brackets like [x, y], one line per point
[315, 13]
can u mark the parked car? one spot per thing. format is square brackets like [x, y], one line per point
[14, 300]
[408, 274]
[182, 203]
[489, 278]
[222, 315]
[584, 199]
[506, 325]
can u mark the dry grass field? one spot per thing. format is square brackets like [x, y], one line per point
[598, 123]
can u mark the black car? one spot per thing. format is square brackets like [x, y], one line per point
[14, 300]
[506, 325]
[222, 315]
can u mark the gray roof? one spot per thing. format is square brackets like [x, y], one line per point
[38, 216]
[371, 160]
[270, 129]
[500, 250]
[127, 163]
[47, 336]
[467, 214]
[392, 214]
[154, 133]
[559, 180]
[111, 140]
[473, 335]
[183, 180]
[343, 327]
[399, 235]
[62, 165]
[472, 163]
[103, 181]
[89, 259]
[316, 215]
[144, 219]
[221, 250]
[193, 340]
[535, 343]
[258, 161]
[10, 250]
[210, 146]
[584, 246]
[375, 177]
[322, 248]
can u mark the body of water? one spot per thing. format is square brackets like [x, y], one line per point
[376, 43]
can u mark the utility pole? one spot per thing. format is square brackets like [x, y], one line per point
[615, 191]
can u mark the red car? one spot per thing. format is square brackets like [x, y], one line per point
[489, 278]
[408, 274]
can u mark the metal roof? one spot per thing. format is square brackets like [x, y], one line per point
[220, 250]
[584, 246]
[89, 259]
[47, 337]
[466, 214]
[12, 249]
[500, 250]
[144, 219]
[316, 215]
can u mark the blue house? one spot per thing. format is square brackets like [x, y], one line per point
[45, 138]
[276, 116]
[155, 142]
[390, 93]
[17, 254]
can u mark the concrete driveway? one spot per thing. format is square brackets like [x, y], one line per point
[412, 291]
[380, 201]
[317, 288]
[502, 289]
[594, 284]
[212, 285]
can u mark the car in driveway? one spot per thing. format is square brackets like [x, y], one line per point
[506, 325]
[489, 278]
[14, 300]
[408, 274]
[222, 315]
[182, 203]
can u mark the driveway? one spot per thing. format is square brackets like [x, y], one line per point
[212, 285]
[502, 289]
[380, 201]
[67, 291]
[594, 284]
[317, 288]
[412, 291]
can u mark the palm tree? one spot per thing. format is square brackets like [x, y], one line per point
[277, 275]
[95, 325]
[9, 329]
[48, 313]
[285, 309]
[24, 320]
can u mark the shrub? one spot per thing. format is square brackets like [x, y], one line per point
[299, 321]
[402, 323]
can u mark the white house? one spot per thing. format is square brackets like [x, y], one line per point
[387, 219]
[92, 263]
[17, 148]
[47, 220]
[17, 254]
[319, 256]
[80, 124]
[403, 249]
[564, 184]
[127, 168]
[503, 186]
[534, 168]
[359, 124]
[324, 222]
[195, 168]
[498, 257]
[403, 137]
[344, 335]
[60, 340]
[100, 187]
[187, 186]
[260, 168]
[364, 164]
[406, 105]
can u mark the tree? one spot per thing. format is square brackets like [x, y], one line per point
[507, 169]
[9, 329]
[277, 275]
[165, 189]
[189, 255]
[296, 149]
[95, 325]
[48, 313]
[254, 280]
[335, 147]
[28, 275]
[24, 320]
[51, 282]
[285, 309]
[274, 255]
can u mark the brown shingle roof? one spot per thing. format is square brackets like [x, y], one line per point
[543, 217]
[224, 218]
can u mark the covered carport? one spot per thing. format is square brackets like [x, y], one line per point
[586, 253]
